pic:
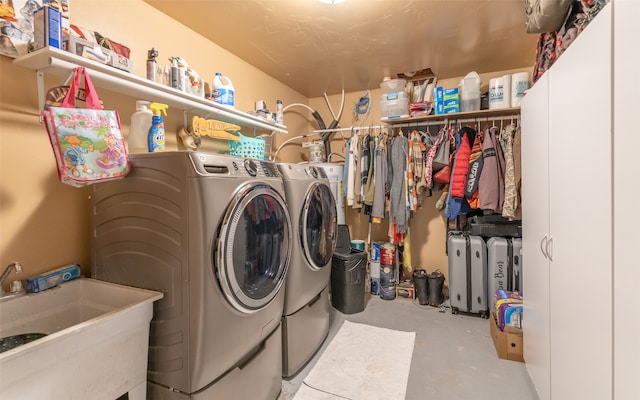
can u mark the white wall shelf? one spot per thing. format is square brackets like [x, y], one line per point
[61, 63]
[496, 114]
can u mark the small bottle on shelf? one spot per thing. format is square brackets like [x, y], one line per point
[152, 65]
[279, 116]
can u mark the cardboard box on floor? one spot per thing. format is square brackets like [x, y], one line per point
[508, 343]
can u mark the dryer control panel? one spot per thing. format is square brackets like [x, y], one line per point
[270, 169]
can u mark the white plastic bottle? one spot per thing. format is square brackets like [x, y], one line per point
[223, 90]
[140, 124]
[279, 115]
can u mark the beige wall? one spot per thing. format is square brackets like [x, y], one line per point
[45, 224]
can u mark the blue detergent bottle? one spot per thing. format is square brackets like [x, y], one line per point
[156, 138]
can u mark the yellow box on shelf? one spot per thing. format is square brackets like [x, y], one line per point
[214, 128]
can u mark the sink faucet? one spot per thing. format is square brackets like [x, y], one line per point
[13, 266]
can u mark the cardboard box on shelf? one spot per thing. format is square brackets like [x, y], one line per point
[508, 343]
[63, 7]
[93, 51]
[118, 61]
[86, 48]
[47, 28]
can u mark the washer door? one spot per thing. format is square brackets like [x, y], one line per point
[318, 225]
[254, 247]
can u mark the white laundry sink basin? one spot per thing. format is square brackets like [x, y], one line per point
[95, 343]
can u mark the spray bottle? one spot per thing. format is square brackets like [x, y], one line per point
[156, 137]
[139, 130]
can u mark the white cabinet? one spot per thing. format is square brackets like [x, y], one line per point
[567, 172]
[626, 236]
[580, 132]
[535, 232]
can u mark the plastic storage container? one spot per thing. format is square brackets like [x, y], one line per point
[348, 270]
[470, 92]
[394, 105]
[393, 85]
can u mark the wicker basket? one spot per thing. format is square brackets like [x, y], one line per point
[247, 147]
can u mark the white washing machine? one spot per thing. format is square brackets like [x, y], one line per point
[305, 321]
[335, 173]
[213, 233]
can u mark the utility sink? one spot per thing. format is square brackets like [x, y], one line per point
[84, 339]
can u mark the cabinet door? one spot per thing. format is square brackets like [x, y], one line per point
[580, 221]
[627, 236]
[535, 233]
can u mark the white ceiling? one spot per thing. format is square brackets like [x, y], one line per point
[317, 48]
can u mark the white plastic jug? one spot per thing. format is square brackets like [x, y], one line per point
[223, 90]
[139, 129]
[470, 92]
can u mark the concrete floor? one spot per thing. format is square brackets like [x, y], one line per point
[453, 357]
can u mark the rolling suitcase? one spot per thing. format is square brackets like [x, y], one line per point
[517, 264]
[505, 266]
[494, 225]
[467, 258]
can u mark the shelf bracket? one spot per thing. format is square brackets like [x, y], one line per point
[41, 95]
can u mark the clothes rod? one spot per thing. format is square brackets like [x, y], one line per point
[423, 123]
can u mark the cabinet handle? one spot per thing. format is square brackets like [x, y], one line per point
[549, 248]
[543, 246]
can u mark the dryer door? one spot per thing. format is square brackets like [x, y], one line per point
[254, 247]
[318, 225]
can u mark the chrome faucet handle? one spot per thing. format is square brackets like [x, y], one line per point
[16, 286]
[5, 274]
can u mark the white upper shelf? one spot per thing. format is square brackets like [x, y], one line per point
[61, 63]
[495, 114]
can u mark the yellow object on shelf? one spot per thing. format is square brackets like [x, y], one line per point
[214, 128]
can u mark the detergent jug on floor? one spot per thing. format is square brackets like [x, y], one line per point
[223, 90]
[156, 137]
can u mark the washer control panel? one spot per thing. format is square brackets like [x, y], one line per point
[217, 164]
[251, 167]
[312, 171]
[270, 169]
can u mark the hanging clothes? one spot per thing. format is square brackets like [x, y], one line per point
[345, 170]
[397, 198]
[471, 190]
[457, 202]
[443, 134]
[364, 168]
[517, 167]
[492, 176]
[354, 156]
[412, 191]
[389, 165]
[459, 173]
[419, 149]
[380, 180]
[506, 142]
[369, 187]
